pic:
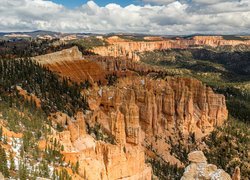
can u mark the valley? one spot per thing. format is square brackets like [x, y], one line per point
[125, 107]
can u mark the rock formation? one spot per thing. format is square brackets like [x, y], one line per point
[236, 174]
[99, 160]
[70, 63]
[200, 169]
[137, 112]
[157, 108]
[126, 48]
[60, 56]
[1, 176]
[171, 104]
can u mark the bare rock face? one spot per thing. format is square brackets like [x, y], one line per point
[197, 157]
[102, 161]
[99, 160]
[77, 128]
[118, 127]
[154, 110]
[236, 175]
[71, 64]
[199, 169]
[126, 48]
[1, 176]
[165, 105]
[60, 56]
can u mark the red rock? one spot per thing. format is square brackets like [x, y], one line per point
[126, 48]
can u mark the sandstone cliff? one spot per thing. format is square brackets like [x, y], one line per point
[121, 48]
[57, 57]
[70, 63]
[99, 160]
[157, 108]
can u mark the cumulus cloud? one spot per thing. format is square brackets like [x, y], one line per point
[158, 17]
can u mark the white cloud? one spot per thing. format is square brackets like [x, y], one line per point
[162, 17]
[212, 1]
[159, 2]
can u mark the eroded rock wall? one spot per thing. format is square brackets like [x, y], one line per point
[130, 49]
[154, 110]
[158, 105]
[71, 64]
[99, 160]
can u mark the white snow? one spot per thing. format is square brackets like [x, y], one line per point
[100, 92]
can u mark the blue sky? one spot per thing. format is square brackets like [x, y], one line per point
[76, 3]
[168, 17]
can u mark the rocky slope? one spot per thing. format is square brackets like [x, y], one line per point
[130, 49]
[71, 64]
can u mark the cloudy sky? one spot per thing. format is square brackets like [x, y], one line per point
[131, 16]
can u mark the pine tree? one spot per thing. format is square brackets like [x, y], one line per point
[22, 170]
[3, 165]
[12, 162]
[1, 133]
[77, 167]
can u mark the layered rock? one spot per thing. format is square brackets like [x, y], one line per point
[70, 54]
[123, 67]
[70, 63]
[200, 169]
[121, 48]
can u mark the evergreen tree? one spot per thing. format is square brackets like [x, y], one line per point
[12, 162]
[3, 165]
[1, 133]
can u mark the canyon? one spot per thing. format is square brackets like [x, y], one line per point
[119, 47]
[142, 116]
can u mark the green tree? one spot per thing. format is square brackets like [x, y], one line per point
[3, 165]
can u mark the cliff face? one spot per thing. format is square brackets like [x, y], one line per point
[60, 56]
[157, 108]
[99, 160]
[177, 103]
[129, 49]
[71, 64]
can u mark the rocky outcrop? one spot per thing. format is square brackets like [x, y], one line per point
[70, 63]
[236, 174]
[1, 176]
[121, 48]
[70, 54]
[200, 169]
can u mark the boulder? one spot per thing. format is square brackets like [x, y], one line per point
[200, 170]
[197, 157]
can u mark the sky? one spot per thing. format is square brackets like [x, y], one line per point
[77, 3]
[163, 17]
